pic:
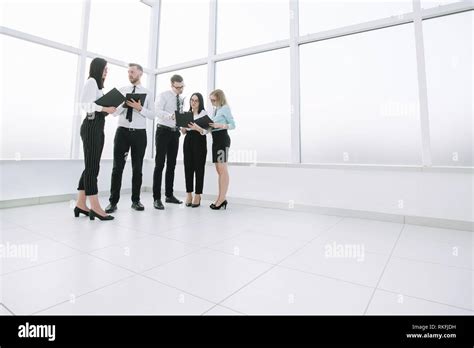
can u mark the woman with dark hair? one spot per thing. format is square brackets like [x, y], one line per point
[92, 134]
[195, 151]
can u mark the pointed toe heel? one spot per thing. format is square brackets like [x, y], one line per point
[218, 207]
[93, 215]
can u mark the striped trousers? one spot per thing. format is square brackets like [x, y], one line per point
[92, 134]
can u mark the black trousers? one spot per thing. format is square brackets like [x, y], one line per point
[92, 134]
[167, 143]
[125, 141]
[194, 151]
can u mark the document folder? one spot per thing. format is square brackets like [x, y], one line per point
[203, 122]
[112, 98]
[183, 119]
[136, 97]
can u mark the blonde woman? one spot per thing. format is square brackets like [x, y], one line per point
[222, 121]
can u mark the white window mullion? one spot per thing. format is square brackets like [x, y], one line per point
[80, 77]
[153, 64]
[422, 86]
[295, 83]
[211, 64]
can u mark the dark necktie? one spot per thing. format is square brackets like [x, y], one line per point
[130, 110]
[177, 103]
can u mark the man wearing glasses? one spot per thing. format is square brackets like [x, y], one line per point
[167, 141]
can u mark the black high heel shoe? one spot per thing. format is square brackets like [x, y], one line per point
[189, 204]
[218, 207]
[78, 211]
[196, 205]
[93, 215]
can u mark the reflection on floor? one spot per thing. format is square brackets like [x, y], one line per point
[243, 260]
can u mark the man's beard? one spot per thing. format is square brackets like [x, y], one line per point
[134, 80]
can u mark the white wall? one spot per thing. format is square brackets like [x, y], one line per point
[435, 193]
[432, 193]
[38, 178]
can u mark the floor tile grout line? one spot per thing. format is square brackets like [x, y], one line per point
[433, 263]
[86, 293]
[245, 285]
[40, 264]
[148, 269]
[8, 309]
[207, 247]
[197, 244]
[425, 299]
[165, 231]
[272, 267]
[293, 268]
[269, 234]
[383, 270]
[320, 235]
[155, 280]
[316, 237]
[115, 282]
[326, 276]
[179, 289]
[217, 305]
[241, 256]
[81, 252]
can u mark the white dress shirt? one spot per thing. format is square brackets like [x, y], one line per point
[165, 108]
[89, 95]
[138, 118]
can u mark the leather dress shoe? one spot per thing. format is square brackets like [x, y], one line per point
[111, 208]
[158, 205]
[173, 199]
[138, 206]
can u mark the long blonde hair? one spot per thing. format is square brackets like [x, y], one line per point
[220, 96]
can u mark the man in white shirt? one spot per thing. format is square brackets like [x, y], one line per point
[131, 137]
[167, 141]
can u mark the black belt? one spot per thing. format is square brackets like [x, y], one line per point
[133, 129]
[173, 129]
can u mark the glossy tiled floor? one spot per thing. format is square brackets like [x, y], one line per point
[245, 260]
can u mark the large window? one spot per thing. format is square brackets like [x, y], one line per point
[448, 54]
[320, 15]
[359, 99]
[54, 19]
[358, 92]
[245, 23]
[184, 31]
[37, 104]
[258, 91]
[120, 29]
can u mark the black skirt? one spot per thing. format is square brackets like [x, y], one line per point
[220, 146]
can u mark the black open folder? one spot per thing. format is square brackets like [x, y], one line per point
[112, 98]
[203, 122]
[183, 119]
[136, 97]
